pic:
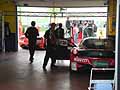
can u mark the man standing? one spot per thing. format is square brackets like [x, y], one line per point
[32, 33]
[75, 31]
[50, 48]
[59, 32]
[68, 25]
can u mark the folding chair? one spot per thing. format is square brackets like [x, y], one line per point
[101, 79]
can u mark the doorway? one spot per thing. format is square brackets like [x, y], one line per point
[45, 15]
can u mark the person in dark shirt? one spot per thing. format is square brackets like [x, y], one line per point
[32, 33]
[59, 32]
[50, 47]
[68, 25]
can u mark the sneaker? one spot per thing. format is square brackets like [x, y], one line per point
[31, 60]
[44, 68]
[53, 66]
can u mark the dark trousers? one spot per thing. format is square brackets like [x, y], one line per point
[32, 47]
[50, 53]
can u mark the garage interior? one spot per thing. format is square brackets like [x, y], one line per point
[18, 74]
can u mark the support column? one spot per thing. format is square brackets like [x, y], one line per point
[111, 17]
[117, 50]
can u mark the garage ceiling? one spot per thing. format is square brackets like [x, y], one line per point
[61, 3]
[58, 3]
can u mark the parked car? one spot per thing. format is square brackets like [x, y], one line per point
[63, 48]
[93, 52]
[40, 44]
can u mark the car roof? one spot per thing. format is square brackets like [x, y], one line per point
[97, 38]
[94, 38]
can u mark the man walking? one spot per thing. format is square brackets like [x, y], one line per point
[32, 33]
[50, 48]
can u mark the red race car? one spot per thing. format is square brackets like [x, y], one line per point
[40, 44]
[93, 52]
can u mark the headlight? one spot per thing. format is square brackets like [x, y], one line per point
[75, 51]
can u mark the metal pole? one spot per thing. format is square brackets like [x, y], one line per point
[117, 48]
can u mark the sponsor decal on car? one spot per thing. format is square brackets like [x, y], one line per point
[100, 63]
[77, 59]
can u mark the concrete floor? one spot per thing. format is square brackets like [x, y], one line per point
[17, 74]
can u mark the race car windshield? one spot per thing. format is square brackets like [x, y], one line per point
[96, 53]
[99, 44]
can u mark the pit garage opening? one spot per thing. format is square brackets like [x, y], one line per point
[45, 15]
